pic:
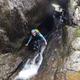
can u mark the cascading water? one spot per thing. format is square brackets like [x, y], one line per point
[31, 67]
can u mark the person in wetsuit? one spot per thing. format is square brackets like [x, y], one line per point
[36, 35]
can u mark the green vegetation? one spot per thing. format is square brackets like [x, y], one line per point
[77, 32]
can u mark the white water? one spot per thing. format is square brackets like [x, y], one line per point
[57, 7]
[31, 67]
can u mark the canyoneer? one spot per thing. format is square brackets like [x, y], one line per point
[35, 34]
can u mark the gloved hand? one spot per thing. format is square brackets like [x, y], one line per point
[26, 44]
[45, 43]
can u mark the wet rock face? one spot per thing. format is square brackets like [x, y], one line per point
[16, 15]
[8, 63]
[3, 40]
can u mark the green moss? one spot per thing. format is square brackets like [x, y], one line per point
[64, 35]
[79, 72]
[77, 32]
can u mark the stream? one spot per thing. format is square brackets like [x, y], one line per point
[31, 67]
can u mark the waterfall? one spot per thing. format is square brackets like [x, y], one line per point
[57, 7]
[31, 67]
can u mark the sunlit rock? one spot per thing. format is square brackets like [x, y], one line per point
[75, 11]
[76, 44]
[77, 16]
[73, 62]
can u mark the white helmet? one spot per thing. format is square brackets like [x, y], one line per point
[34, 31]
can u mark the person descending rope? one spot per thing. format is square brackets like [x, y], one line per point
[35, 33]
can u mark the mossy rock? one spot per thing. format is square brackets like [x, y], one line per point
[77, 32]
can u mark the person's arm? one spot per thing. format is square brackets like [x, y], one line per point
[29, 41]
[43, 38]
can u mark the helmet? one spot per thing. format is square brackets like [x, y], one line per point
[34, 31]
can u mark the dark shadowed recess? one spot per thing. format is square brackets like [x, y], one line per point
[47, 25]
